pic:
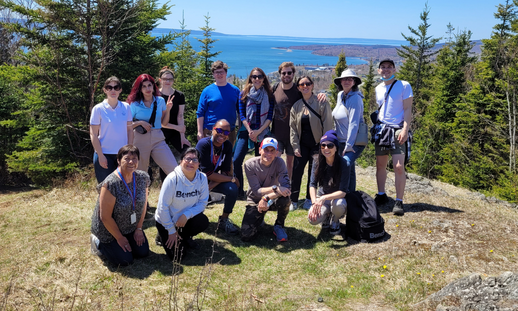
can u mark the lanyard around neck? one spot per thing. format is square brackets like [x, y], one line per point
[212, 155]
[132, 194]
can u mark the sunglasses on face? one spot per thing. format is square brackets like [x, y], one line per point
[222, 131]
[348, 79]
[329, 146]
[306, 84]
[286, 73]
[109, 87]
[193, 160]
[260, 77]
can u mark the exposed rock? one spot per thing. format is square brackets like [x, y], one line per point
[472, 293]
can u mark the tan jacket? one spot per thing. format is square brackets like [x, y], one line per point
[324, 109]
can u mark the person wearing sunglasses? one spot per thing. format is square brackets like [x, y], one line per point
[174, 131]
[348, 114]
[110, 129]
[183, 198]
[309, 120]
[216, 163]
[329, 182]
[256, 112]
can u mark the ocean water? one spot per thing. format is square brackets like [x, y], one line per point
[242, 53]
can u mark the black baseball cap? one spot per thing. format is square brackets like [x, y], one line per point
[387, 60]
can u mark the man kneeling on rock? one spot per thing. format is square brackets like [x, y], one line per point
[269, 190]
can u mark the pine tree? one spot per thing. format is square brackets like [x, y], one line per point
[368, 88]
[207, 54]
[417, 60]
[341, 65]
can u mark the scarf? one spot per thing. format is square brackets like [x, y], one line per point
[257, 97]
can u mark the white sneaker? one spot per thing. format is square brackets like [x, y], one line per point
[293, 206]
[307, 204]
[335, 228]
[94, 245]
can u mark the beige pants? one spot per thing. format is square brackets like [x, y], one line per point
[337, 207]
[152, 144]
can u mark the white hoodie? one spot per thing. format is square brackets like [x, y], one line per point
[180, 196]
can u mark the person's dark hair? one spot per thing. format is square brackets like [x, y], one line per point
[287, 65]
[110, 80]
[321, 167]
[305, 77]
[128, 149]
[165, 70]
[136, 91]
[249, 84]
[190, 150]
[218, 65]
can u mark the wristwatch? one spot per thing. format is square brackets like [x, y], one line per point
[274, 188]
[233, 179]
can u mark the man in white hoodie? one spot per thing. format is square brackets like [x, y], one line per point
[183, 198]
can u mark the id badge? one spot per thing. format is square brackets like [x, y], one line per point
[133, 218]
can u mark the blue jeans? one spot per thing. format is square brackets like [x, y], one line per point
[117, 256]
[100, 172]
[351, 157]
[229, 189]
[239, 155]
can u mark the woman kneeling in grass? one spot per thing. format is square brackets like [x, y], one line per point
[331, 174]
[183, 198]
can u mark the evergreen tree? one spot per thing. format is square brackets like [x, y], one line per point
[73, 47]
[368, 88]
[207, 54]
[341, 65]
[417, 61]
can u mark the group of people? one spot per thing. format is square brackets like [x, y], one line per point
[284, 118]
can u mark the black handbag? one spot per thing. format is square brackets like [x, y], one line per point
[140, 129]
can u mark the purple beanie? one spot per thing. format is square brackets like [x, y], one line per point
[331, 137]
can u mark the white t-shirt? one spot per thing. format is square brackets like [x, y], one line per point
[113, 133]
[392, 111]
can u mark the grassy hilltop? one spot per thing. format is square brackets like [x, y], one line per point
[45, 260]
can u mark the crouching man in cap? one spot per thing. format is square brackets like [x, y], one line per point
[269, 190]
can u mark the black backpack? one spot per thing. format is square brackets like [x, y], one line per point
[363, 221]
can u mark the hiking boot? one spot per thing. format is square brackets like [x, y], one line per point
[227, 225]
[327, 221]
[158, 240]
[307, 204]
[280, 233]
[94, 245]
[335, 228]
[398, 209]
[293, 206]
[381, 199]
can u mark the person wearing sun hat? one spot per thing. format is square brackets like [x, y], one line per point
[269, 190]
[328, 185]
[392, 132]
[347, 115]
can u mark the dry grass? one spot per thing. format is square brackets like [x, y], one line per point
[45, 262]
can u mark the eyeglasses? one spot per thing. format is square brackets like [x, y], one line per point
[286, 73]
[222, 131]
[193, 160]
[306, 84]
[329, 146]
[167, 80]
[219, 72]
[260, 77]
[116, 88]
[348, 79]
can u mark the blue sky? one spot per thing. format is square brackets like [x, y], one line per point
[373, 19]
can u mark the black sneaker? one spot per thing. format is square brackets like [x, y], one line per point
[398, 208]
[381, 199]
[190, 243]
[158, 240]
[228, 226]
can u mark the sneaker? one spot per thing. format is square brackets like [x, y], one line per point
[280, 233]
[335, 228]
[227, 225]
[158, 240]
[293, 206]
[94, 245]
[381, 199]
[327, 221]
[307, 204]
[190, 243]
[398, 209]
